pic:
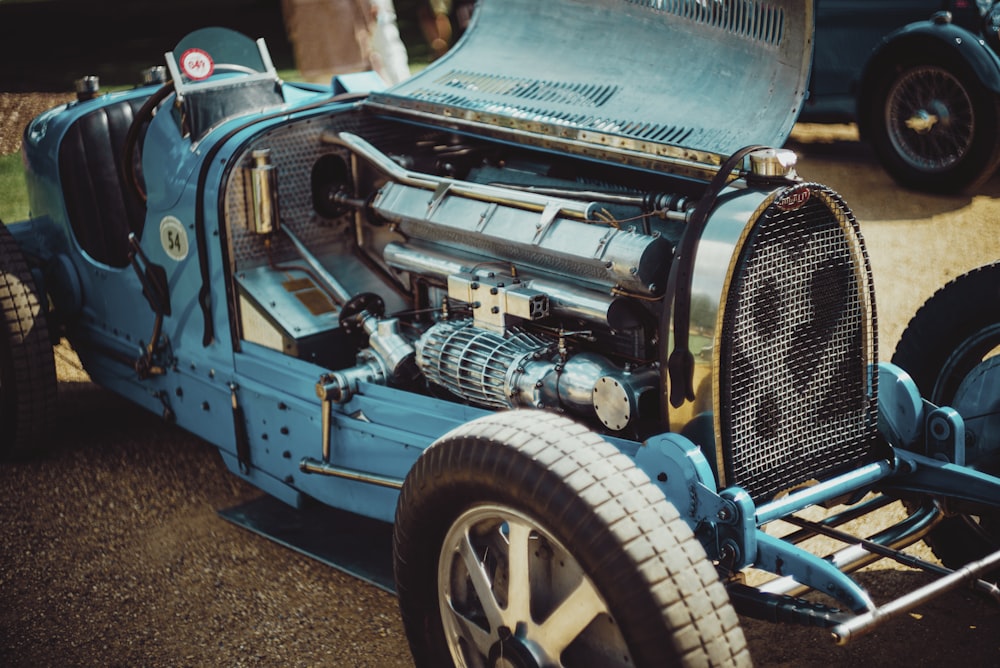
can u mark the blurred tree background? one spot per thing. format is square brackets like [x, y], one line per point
[46, 45]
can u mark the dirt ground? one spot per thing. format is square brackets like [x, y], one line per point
[112, 552]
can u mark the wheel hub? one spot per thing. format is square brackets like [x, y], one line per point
[510, 651]
[973, 402]
[922, 122]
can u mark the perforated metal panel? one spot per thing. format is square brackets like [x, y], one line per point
[294, 150]
[796, 400]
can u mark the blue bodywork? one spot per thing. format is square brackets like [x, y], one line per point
[266, 411]
[112, 320]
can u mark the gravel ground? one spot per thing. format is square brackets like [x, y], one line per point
[16, 109]
[113, 553]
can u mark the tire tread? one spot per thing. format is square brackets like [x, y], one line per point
[965, 305]
[659, 558]
[28, 390]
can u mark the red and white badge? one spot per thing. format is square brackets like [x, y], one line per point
[197, 64]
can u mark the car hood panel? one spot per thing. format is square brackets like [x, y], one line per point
[696, 79]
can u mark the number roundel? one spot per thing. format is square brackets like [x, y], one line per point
[197, 64]
[174, 238]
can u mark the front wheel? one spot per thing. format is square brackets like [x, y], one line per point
[27, 368]
[950, 349]
[932, 124]
[524, 539]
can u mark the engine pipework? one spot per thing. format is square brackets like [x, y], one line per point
[387, 357]
[564, 300]
[528, 370]
[548, 233]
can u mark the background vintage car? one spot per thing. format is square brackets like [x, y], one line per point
[923, 90]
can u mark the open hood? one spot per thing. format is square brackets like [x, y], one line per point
[690, 80]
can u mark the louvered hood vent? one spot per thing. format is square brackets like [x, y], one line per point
[686, 80]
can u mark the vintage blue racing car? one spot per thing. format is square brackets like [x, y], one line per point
[555, 307]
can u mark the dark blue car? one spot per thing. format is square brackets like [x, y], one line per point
[920, 77]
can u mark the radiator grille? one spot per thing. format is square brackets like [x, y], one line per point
[796, 399]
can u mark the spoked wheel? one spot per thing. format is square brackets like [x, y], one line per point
[524, 540]
[951, 349]
[934, 125]
[27, 367]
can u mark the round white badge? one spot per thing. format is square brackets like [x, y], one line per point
[196, 64]
[174, 238]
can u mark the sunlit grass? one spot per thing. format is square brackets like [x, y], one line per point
[13, 194]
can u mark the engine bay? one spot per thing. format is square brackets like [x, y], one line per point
[457, 266]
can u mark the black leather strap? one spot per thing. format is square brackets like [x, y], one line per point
[680, 364]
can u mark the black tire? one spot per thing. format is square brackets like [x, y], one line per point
[27, 367]
[596, 526]
[932, 124]
[955, 330]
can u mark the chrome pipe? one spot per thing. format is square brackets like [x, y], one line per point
[824, 491]
[899, 557]
[855, 557]
[425, 261]
[681, 213]
[852, 513]
[579, 210]
[610, 198]
[309, 465]
[845, 632]
[572, 302]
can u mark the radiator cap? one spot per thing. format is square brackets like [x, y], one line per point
[771, 163]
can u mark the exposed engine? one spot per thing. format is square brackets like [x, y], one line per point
[515, 295]
[504, 278]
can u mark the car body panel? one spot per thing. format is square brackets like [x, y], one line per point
[633, 98]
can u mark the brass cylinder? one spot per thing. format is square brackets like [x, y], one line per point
[264, 193]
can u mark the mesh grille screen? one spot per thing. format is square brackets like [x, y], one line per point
[798, 338]
[294, 149]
